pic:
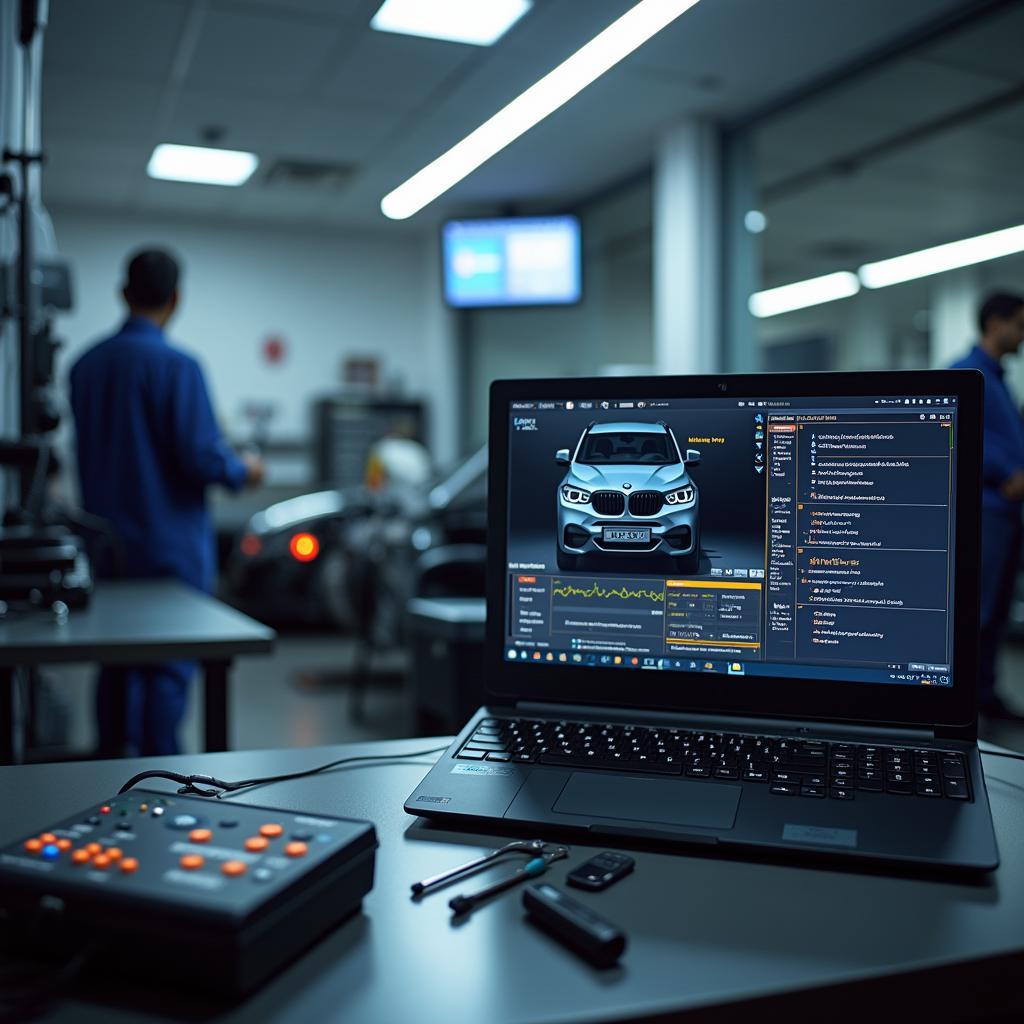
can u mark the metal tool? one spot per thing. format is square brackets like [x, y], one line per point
[533, 847]
[463, 904]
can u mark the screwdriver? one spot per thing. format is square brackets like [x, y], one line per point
[533, 868]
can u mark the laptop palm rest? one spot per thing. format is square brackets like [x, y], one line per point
[665, 801]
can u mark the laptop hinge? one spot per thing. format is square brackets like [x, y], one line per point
[732, 723]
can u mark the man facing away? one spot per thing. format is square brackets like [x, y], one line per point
[1001, 322]
[148, 448]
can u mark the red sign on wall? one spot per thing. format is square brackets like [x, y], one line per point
[274, 349]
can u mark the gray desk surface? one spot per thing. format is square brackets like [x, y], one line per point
[703, 932]
[126, 620]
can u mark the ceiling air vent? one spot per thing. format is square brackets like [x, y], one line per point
[309, 174]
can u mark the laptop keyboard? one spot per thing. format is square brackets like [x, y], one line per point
[787, 766]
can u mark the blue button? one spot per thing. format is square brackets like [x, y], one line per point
[182, 822]
[324, 837]
[50, 852]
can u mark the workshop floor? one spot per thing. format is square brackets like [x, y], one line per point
[289, 700]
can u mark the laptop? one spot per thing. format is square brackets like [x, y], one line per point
[732, 612]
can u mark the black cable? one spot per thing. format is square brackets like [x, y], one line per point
[188, 783]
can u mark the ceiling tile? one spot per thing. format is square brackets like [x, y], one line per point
[992, 47]
[258, 54]
[399, 71]
[121, 37]
[103, 108]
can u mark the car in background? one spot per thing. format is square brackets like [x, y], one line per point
[349, 559]
[627, 491]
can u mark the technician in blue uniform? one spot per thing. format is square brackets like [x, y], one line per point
[148, 448]
[1001, 321]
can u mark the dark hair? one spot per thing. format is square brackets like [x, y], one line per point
[1000, 304]
[152, 278]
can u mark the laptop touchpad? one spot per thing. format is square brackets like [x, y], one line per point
[665, 801]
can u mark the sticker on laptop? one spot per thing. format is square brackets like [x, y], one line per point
[820, 835]
[482, 769]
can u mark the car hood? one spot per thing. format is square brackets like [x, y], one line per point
[638, 477]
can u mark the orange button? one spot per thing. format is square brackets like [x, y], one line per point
[114, 852]
[233, 867]
[63, 845]
[93, 848]
[200, 835]
[271, 830]
[33, 845]
[256, 843]
[101, 861]
[47, 837]
[191, 861]
[80, 857]
[129, 865]
[296, 849]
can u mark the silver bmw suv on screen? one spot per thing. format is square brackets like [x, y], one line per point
[627, 491]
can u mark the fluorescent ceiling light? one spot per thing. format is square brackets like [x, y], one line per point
[802, 294]
[201, 164]
[545, 96]
[940, 258]
[480, 22]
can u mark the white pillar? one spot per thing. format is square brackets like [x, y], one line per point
[437, 377]
[953, 326]
[687, 256]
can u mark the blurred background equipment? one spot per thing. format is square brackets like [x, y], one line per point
[347, 427]
[43, 564]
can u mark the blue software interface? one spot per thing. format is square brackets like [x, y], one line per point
[803, 537]
[520, 261]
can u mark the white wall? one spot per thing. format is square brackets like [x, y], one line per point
[328, 295]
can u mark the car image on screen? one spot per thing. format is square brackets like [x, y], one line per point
[628, 491]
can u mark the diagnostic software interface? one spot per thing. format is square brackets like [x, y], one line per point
[803, 537]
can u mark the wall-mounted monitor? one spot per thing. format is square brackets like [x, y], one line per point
[512, 261]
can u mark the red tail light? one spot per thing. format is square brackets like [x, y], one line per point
[251, 545]
[304, 547]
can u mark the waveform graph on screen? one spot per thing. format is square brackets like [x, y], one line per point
[594, 607]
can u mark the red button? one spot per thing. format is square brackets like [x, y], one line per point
[271, 830]
[296, 849]
[105, 809]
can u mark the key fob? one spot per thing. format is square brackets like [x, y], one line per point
[601, 871]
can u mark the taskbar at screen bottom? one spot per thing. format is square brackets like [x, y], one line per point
[916, 676]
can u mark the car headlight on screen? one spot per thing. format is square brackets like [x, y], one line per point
[682, 496]
[575, 496]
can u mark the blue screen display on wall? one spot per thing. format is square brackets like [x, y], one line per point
[512, 261]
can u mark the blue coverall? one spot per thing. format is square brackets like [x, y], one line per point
[1000, 517]
[148, 446]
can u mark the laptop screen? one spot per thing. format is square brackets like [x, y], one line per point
[800, 538]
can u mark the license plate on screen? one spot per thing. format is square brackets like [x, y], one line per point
[622, 535]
